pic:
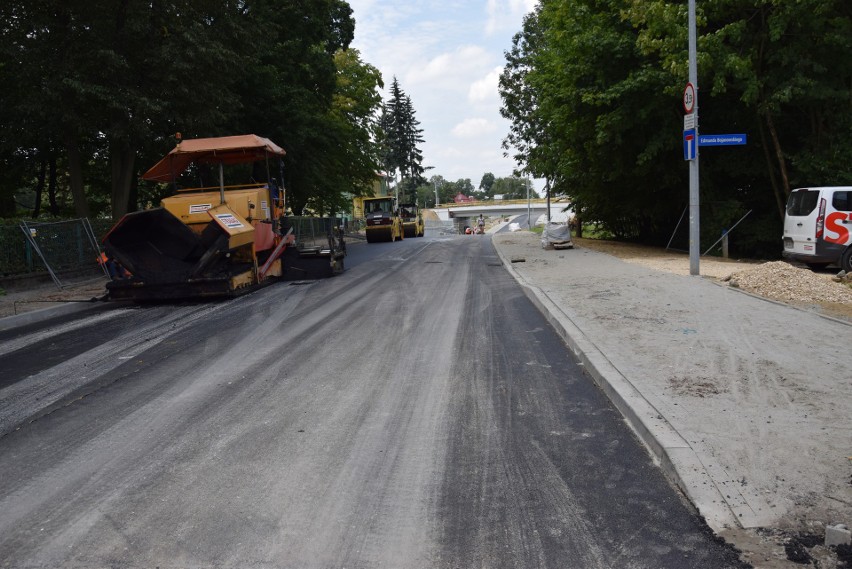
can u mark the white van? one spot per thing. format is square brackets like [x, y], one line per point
[818, 227]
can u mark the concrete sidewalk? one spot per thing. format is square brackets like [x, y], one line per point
[745, 403]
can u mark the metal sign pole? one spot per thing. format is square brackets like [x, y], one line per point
[547, 189]
[529, 212]
[694, 209]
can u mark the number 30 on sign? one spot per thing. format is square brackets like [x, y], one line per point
[689, 98]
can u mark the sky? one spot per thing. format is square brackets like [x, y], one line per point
[447, 56]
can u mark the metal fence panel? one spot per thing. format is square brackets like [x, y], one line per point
[66, 245]
[313, 232]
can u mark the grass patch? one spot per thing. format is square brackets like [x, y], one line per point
[593, 231]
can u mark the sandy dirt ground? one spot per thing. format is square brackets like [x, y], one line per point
[760, 390]
[40, 295]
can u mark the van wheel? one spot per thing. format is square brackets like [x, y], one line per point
[846, 260]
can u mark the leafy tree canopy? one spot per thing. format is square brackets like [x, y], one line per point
[592, 89]
[95, 91]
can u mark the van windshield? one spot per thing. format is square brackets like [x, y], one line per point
[802, 202]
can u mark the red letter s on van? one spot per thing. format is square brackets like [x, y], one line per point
[833, 224]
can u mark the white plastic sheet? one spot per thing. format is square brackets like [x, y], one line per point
[556, 236]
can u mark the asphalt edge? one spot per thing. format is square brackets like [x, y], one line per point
[43, 314]
[672, 452]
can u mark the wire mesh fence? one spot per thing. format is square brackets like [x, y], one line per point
[442, 227]
[71, 246]
[60, 247]
[313, 232]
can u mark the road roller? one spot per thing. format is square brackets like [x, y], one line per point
[412, 220]
[383, 220]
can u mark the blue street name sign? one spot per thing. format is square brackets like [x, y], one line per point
[722, 139]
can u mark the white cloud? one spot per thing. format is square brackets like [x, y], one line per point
[470, 128]
[486, 88]
[451, 69]
[505, 14]
[446, 55]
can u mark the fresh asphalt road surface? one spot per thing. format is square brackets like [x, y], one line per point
[415, 411]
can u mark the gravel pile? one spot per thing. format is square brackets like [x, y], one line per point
[782, 281]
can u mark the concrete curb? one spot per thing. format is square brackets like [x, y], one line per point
[674, 454]
[36, 316]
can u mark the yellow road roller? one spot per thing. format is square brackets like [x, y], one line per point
[382, 219]
[412, 220]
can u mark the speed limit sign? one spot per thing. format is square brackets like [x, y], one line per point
[689, 98]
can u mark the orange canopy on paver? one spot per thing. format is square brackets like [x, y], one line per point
[222, 150]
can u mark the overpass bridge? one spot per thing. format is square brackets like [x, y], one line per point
[462, 212]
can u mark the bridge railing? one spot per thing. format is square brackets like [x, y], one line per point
[493, 203]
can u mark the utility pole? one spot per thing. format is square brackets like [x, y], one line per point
[395, 189]
[529, 212]
[694, 209]
[547, 191]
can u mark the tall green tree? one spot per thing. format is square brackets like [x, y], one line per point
[581, 97]
[99, 88]
[486, 183]
[101, 80]
[352, 159]
[289, 84]
[393, 129]
[37, 62]
[402, 137]
[780, 69]
[357, 102]
[773, 69]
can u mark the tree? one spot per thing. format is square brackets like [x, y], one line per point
[592, 90]
[101, 80]
[770, 68]
[100, 88]
[401, 139]
[289, 83]
[356, 102]
[425, 192]
[486, 183]
[513, 188]
[36, 73]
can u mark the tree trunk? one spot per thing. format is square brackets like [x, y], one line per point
[122, 162]
[75, 171]
[779, 200]
[782, 164]
[42, 172]
[51, 187]
[133, 201]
